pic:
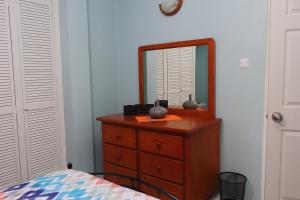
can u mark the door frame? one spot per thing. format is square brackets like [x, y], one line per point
[266, 99]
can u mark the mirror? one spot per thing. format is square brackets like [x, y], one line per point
[173, 71]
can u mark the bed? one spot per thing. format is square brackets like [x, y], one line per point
[70, 184]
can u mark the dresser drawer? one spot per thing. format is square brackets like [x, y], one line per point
[109, 168]
[158, 143]
[172, 188]
[120, 156]
[160, 167]
[119, 135]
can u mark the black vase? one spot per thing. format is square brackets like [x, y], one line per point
[157, 112]
[190, 104]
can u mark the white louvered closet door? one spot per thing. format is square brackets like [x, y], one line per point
[9, 149]
[36, 67]
[187, 63]
[174, 76]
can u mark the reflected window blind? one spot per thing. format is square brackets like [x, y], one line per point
[175, 74]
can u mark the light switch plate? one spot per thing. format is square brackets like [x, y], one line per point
[244, 63]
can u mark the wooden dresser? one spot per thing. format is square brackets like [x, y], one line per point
[181, 157]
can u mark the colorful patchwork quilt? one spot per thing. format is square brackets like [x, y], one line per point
[70, 184]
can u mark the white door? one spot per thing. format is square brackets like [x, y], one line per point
[283, 136]
[37, 80]
[9, 149]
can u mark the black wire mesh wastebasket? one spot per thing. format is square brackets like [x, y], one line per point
[232, 186]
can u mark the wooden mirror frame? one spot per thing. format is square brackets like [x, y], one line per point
[178, 7]
[210, 42]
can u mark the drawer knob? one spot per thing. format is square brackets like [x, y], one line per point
[158, 145]
[158, 169]
[117, 136]
[118, 157]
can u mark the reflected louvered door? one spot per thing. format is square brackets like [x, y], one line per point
[37, 68]
[173, 76]
[9, 149]
[187, 64]
[160, 79]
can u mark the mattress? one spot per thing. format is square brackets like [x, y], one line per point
[70, 184]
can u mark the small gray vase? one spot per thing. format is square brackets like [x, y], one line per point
[157, 112]
[190, 104]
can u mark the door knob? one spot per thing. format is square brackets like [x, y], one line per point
[277, 117]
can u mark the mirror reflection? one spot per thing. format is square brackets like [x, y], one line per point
[175, 73]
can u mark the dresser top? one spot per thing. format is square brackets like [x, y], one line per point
[187, 125]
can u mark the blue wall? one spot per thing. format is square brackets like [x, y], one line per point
[150, 79]
[103, 67]
[89, 76]
[100, 39]
[76, 83]
[201, 71]
[239, 28]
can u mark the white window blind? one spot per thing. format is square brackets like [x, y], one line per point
[160, 75]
